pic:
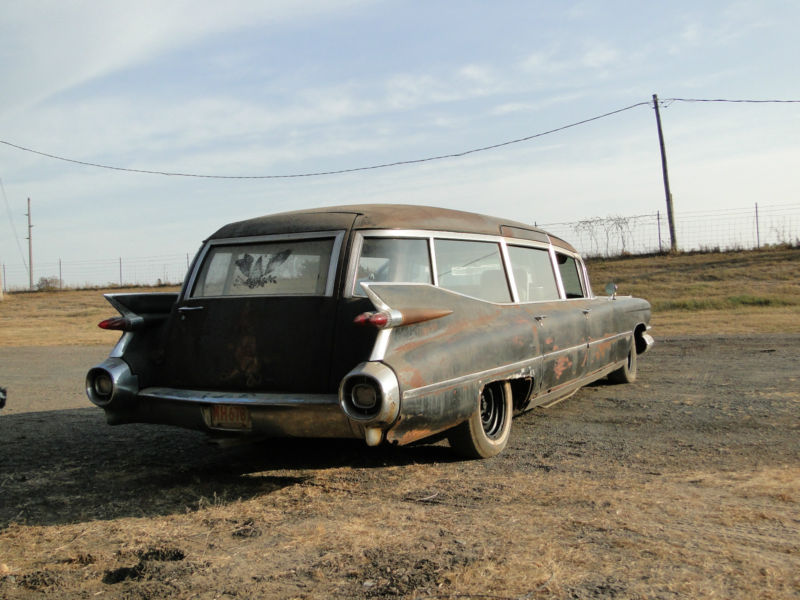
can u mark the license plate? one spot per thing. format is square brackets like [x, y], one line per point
[230, 416]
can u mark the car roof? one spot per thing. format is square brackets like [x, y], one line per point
[384, 216]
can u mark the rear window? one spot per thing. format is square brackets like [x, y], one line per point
[279, 268]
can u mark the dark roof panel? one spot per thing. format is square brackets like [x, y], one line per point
[380, 216]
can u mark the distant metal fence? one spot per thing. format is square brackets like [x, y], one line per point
[726, 229]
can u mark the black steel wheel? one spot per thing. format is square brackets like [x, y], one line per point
[486, 432]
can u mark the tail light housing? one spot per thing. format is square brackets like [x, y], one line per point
[122, 323]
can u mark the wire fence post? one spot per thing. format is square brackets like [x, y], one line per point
[120, 271]
[758, 232]
[658, 218]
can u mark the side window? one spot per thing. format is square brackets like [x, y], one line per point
[472, 268]
[393, 259]
[533, 274]
[570, 276]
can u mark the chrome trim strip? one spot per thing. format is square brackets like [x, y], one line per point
[122, 345]
[509, 368]
[610, 338]
[431, 388]
[432, 258]
[381, 345]
[257, 399]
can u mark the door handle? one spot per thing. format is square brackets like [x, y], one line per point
[188, 309]
[586, 311]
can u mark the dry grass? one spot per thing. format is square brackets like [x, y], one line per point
[755, 291]
[693, 535]
[724, 293]
[60, 318]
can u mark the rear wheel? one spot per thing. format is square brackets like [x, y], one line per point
[627, 372]
[486, 432]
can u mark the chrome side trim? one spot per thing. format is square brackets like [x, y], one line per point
[616, 336]
[122, 345]
[381, 345]
[523, 368]
[257, 399]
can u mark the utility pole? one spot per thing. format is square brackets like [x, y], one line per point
[673, 243]
[30, 247]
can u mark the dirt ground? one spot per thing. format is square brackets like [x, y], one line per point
[685, 484]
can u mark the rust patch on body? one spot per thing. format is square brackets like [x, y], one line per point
[562, 364]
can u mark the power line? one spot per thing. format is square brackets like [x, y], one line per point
[665, 102]
[319, 173]
[11, 222]
[732, 101]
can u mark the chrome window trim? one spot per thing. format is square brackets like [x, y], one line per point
[562, 294]
[337, 235]
[358, 244]
[510, 281]
[583, 276]
[434, 268]
[553, 268]
[586, 281]
[432, 235]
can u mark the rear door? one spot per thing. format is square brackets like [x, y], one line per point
[257, 315]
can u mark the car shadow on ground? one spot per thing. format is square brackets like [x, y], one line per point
[69, 466]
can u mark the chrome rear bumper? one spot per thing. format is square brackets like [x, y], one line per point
[270, 414]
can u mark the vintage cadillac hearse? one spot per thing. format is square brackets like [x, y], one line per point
[387, 323]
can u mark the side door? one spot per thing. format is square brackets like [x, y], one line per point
[559, 324]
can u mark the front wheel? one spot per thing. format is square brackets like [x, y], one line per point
[486, 432]
[627, 372]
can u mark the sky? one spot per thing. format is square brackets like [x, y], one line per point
[257, 89]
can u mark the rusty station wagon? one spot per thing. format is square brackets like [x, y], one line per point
[387, 323]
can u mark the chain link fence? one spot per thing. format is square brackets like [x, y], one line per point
[718, 230]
